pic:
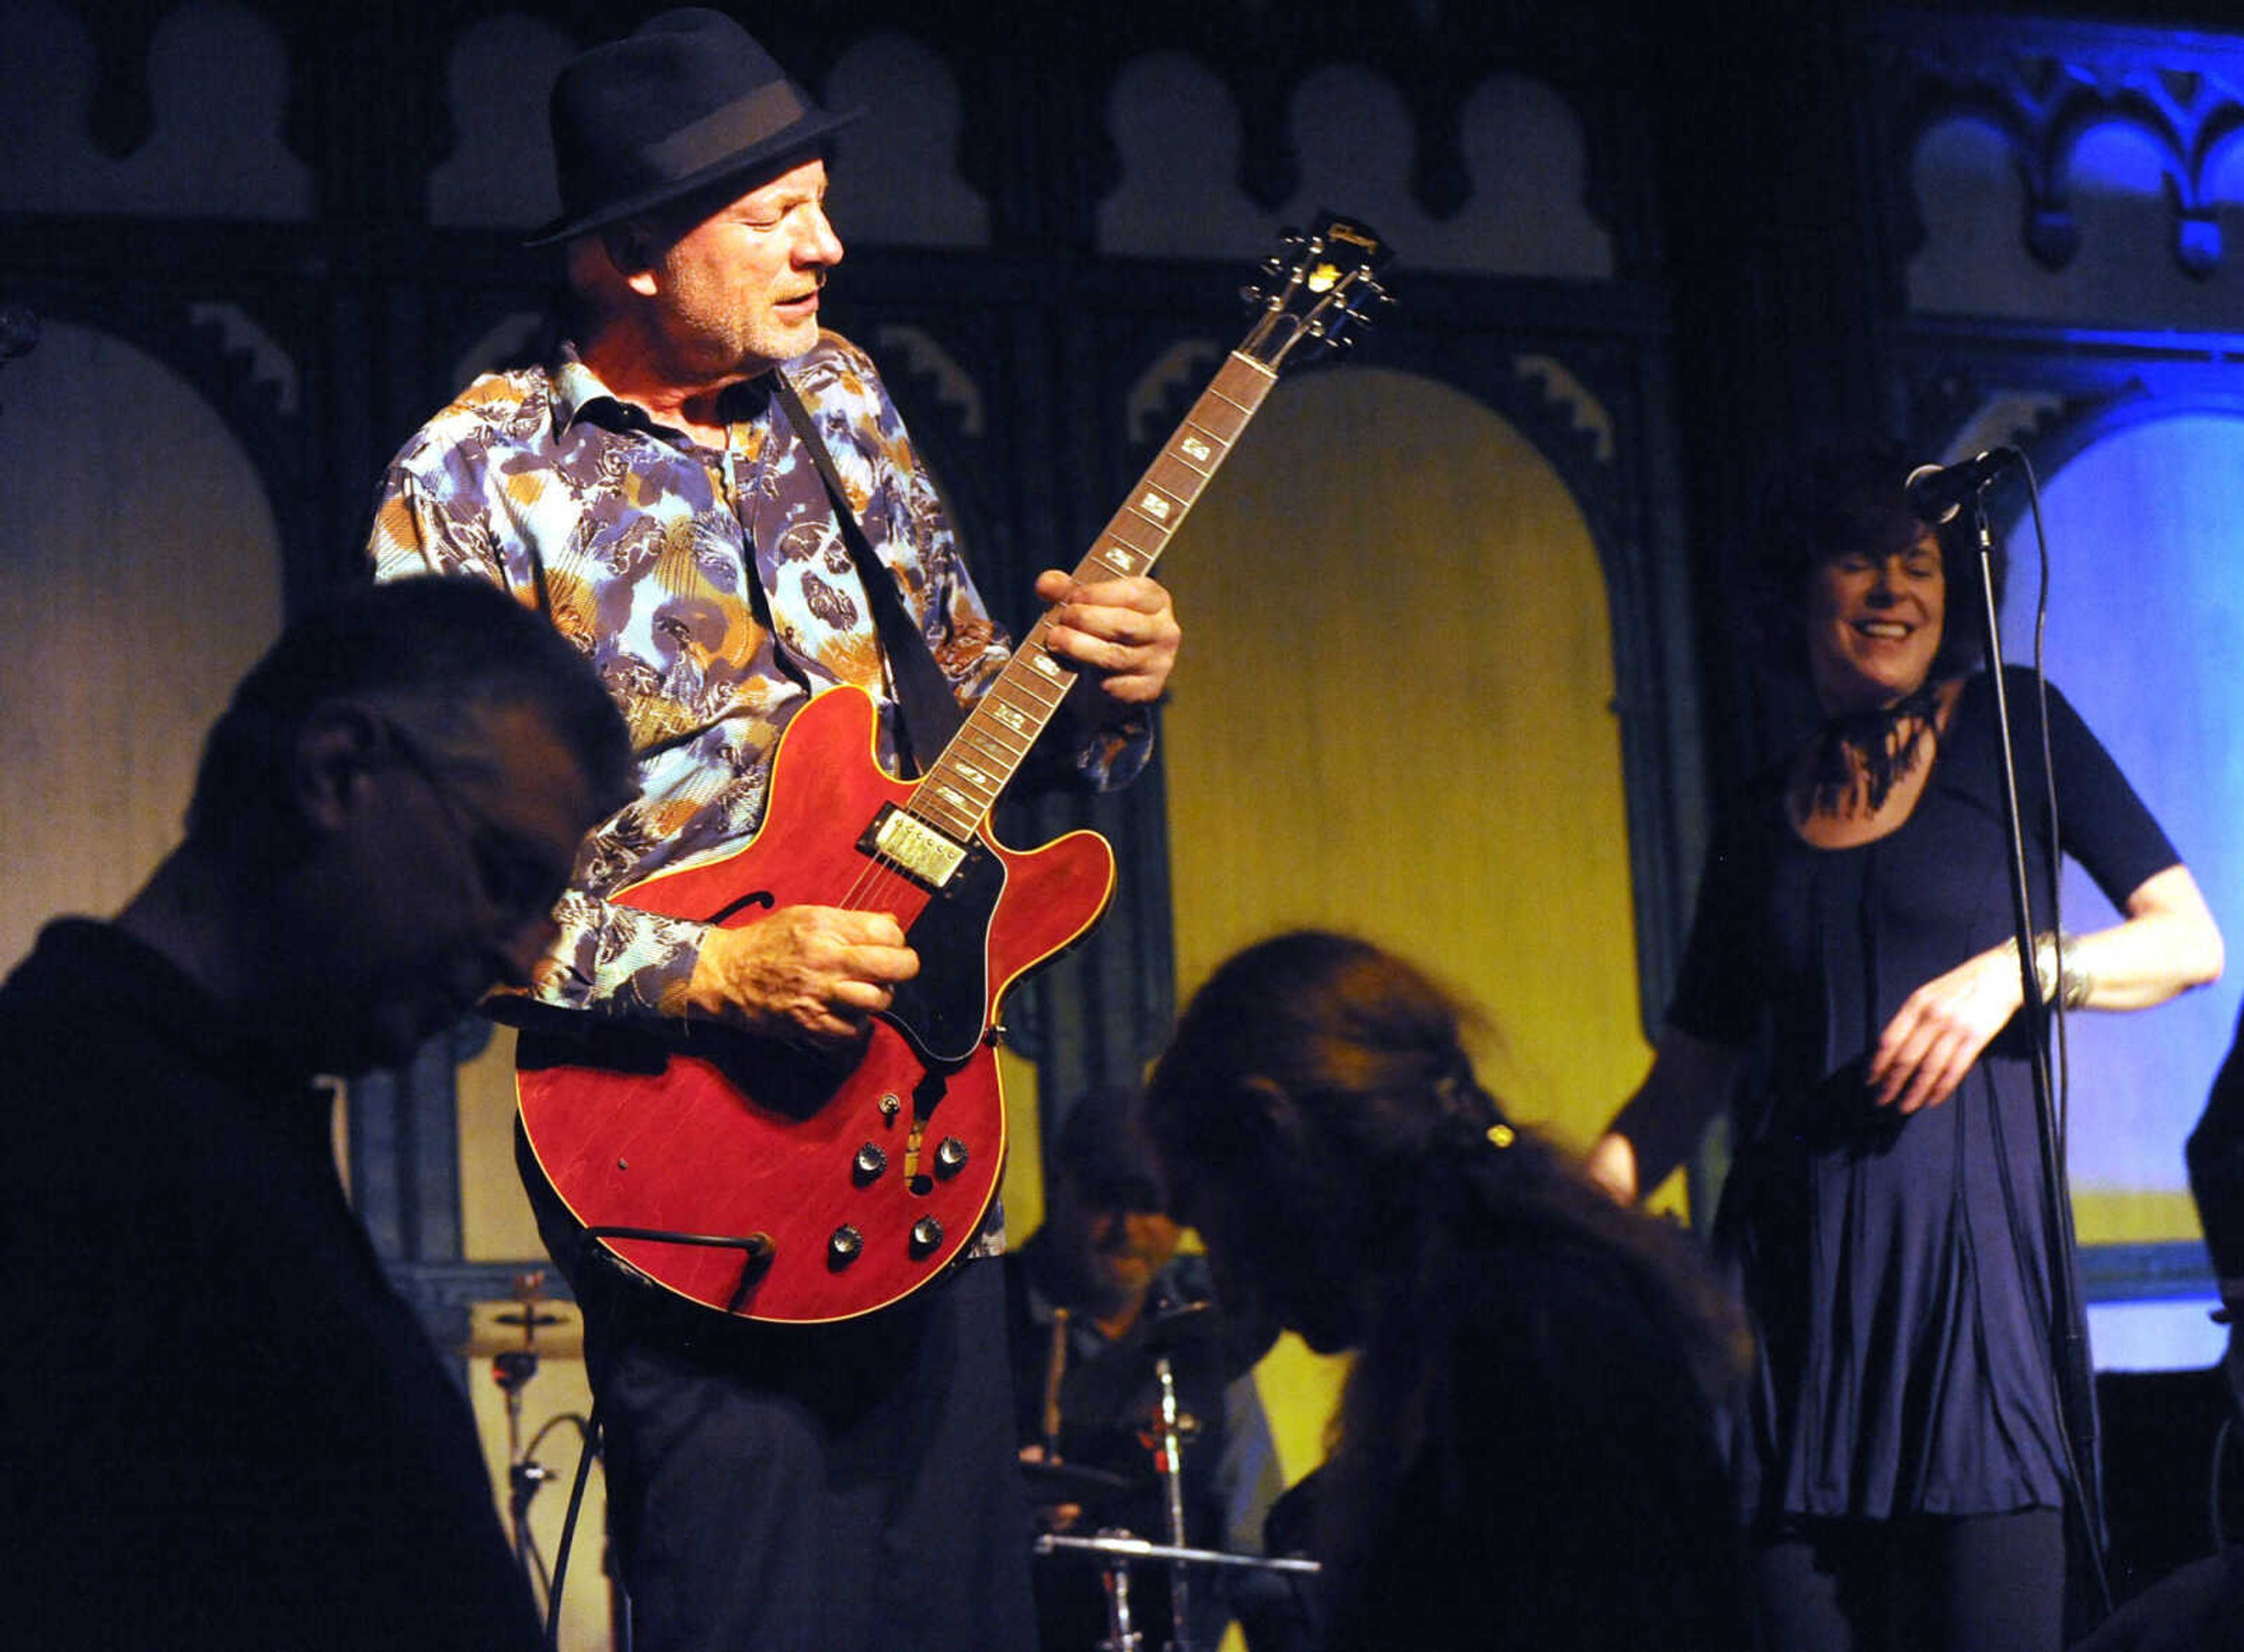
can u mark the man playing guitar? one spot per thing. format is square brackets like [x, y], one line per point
[840, 1486]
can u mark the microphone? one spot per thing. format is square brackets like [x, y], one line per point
[1935, 492]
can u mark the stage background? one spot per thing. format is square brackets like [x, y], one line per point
[1457, 673]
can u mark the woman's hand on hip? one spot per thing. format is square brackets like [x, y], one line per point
[1941, 1028]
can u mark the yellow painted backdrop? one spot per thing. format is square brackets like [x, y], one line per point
[1393, 716]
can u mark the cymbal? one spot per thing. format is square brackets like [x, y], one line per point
[1122, 1546]
[1073, 1483]
[496, 1328]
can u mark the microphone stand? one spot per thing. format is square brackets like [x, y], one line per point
[2067, 1327]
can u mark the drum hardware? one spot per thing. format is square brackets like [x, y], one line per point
[1123, 1547]
[1170, 1464]
[513, 1368]
[1116, 1548]
[1115, 1551]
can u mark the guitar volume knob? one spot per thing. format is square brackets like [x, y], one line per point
[926, 1235]
[844, 1246]
[950, 1156]
[867, 1165]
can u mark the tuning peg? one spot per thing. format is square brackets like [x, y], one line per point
[1253, 296]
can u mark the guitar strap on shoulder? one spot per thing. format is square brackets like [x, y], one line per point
[930, 709]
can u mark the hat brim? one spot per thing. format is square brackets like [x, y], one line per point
[795, 141]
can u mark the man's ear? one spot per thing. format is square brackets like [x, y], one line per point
[339, 745]
[630, 248]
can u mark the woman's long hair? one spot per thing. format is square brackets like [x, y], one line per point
[1405, 1162]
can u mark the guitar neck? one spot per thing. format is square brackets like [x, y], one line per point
[961, 786]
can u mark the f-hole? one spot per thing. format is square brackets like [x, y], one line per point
[753, 897]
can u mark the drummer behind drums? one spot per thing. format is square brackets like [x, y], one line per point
[1095, 1298]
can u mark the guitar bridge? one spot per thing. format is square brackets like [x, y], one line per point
[926, 855]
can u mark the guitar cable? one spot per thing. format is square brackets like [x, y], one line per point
[613, 1302]
[591, 1448]
[755, 1250]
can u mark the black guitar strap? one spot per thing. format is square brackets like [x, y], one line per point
[930, 710]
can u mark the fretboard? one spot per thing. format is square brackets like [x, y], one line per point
[961, 786]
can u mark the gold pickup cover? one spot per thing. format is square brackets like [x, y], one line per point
[917, 847]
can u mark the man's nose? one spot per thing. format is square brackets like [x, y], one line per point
[818, 245]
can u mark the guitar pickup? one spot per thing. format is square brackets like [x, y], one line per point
[926, 854]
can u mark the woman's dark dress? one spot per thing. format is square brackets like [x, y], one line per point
[1896, 1269]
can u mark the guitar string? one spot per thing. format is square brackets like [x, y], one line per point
[883, 872]
[874, 879]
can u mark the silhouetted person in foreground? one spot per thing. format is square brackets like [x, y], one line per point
[221, 1427]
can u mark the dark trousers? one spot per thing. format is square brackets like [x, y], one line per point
[1974, 1583]
[843, 1488]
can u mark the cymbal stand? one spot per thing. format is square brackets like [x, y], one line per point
[1121, 1634]
[1169, 1462]
[511, 1369]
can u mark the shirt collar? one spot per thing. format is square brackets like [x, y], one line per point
[578, 390]
[579, 393]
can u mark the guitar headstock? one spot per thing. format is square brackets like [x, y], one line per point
[1313, 292]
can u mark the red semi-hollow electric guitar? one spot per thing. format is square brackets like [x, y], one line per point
[777, 1183]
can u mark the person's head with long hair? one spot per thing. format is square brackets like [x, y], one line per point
[1322, 1127]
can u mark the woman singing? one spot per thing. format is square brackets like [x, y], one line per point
[1525, 1454]
[1901, 1456]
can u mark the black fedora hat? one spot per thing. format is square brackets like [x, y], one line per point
[686, 101]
